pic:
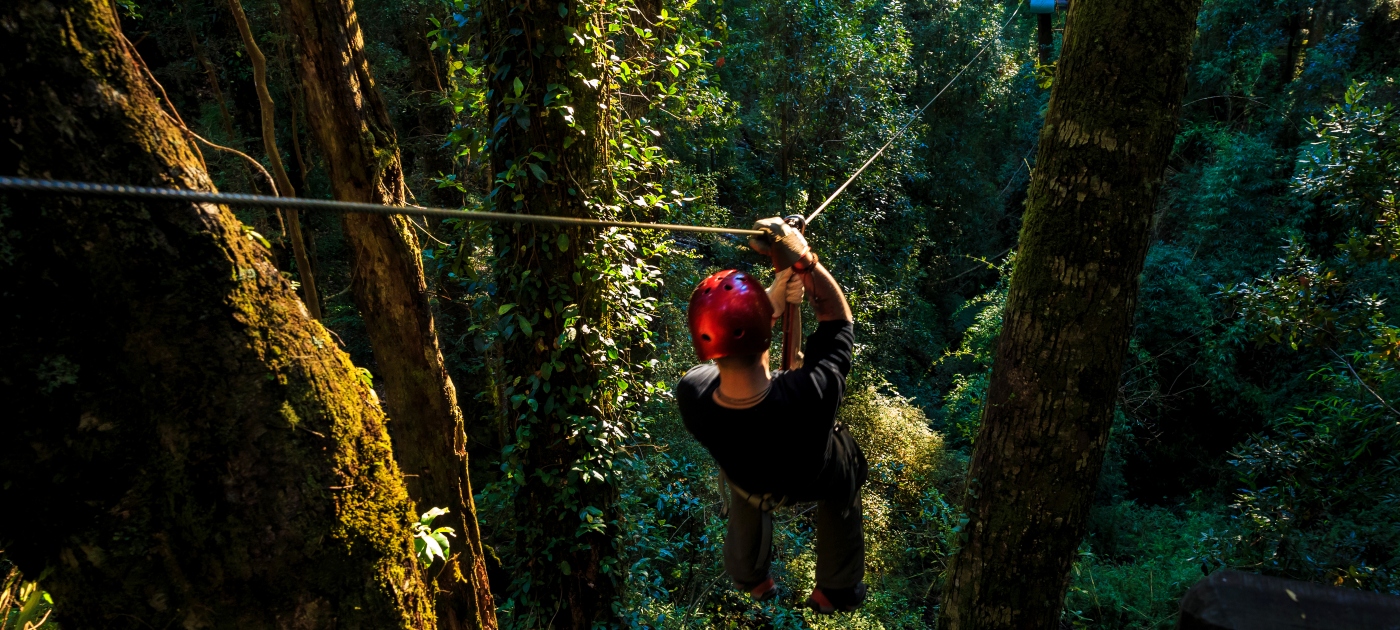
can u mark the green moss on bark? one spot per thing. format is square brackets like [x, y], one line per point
[208, 457]
[352, 127]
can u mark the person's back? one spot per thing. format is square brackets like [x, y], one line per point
[786, 445]
[775, 436]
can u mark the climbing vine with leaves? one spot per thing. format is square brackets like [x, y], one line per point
[561, 101]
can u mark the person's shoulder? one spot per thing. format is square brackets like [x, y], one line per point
[695, 381]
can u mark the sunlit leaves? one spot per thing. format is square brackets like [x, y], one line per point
[431, 544]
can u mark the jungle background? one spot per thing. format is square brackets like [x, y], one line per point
[1257, 425]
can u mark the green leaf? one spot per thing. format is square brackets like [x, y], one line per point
[539, 172]
[519, 87]
[258, 238]
[431, 550]
[525, 325]
[427, 517]
[563, 10]
[505, 308]
[563, 241]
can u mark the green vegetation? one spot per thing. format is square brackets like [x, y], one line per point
[1258, 424]
[23, 605]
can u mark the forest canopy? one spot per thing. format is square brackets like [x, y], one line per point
[237, 416]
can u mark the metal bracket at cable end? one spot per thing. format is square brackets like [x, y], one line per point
[1047, 6]
[796, 222]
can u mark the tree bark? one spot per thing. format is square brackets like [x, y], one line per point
[1108, 131]
[295, 104]
[351, 125]
[274, 158]
[551, 385]
[186, 446]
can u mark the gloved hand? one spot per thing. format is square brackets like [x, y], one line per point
[784, 244]
[787, 288]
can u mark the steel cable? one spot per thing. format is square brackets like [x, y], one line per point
[21, 184]
[911, 120]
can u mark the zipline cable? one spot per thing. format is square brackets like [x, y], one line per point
[118, 191]
[911, 119]
[21, 184]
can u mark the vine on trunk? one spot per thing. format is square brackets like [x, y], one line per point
[561, 100]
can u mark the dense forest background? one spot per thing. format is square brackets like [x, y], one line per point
[1257, 424]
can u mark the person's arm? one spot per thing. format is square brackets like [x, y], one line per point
[789, 250]
[828, 301]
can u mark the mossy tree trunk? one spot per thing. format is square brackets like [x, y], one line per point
[1108, 131]
[350, 122]
[546, 151]
[184, 445]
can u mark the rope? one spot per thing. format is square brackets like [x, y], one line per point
[21, 184]
[911, 121]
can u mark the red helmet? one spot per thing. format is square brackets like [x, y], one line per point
[730, 314]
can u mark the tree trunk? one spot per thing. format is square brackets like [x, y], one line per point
[550, 165]
[1108, 131]
[294, 105]
[186, 446]
[274, 157]
[351, 124]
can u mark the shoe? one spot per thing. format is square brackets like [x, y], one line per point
[832, 600]
[765, 591]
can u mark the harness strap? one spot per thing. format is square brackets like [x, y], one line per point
[765, 502]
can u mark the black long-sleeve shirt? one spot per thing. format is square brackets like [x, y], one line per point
[787, 443]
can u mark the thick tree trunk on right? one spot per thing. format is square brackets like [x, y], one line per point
[181, 442]
[351, 124]
[1108, 131]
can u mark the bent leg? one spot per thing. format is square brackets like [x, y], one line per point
[840, 544]
[748, 543]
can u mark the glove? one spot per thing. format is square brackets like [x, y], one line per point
[784, 244]
[786, 289]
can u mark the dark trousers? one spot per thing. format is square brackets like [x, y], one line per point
[748, 543]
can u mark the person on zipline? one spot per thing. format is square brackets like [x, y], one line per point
[775, 436]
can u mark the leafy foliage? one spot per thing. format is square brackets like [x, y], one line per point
[24, 605]
[430, 544]
[1318, 496]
